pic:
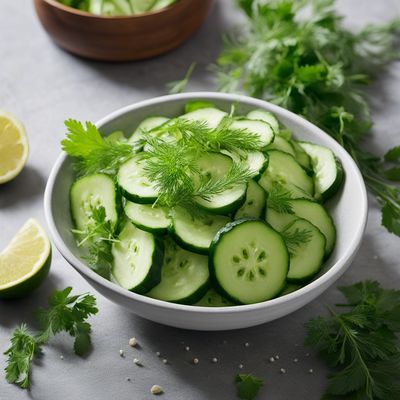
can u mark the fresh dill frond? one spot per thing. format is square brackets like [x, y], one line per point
[238, 174]
[92, 152]
[180, 85]
[296, 239]
[97, 237]
[279, 199]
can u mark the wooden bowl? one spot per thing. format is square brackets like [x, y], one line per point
[122, 38]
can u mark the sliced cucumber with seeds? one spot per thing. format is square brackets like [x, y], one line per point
[134, 184]
[212, 117]
[265, 116]
[302, 157]
[312, 212]
[215, 166]
[213, 299]
[138, 256]
[184, 276]
[150, 218]
[254, 205]
[306, 245]
[91, 192]
[248, 261]
[328, 171]
[195, 232]
[283, 169]
[143, 129]
[282, 144]
[259, 128]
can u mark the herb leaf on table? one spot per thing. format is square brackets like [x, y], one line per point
[315, 67]
[66, 313]
[248, 386]
[361, 344]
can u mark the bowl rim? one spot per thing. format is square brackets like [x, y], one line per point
[335, 271]
[72, 10]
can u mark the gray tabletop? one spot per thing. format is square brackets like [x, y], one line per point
[43, 86]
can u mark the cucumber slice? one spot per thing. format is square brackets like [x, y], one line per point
[306, 245]
[90, 192]
[197, 105]
[255, 161]
[144, 128]
[216, 166]
[211, 116]
[150, 218]
[328, 171]
[302, 157]
[134, 184]
[184, 276]
[213, 299]
[117, 136]
[260, 128]
[254, 205]
[142, 6]
[290, 288]
[282, 144]
[312, 212]
[138, 257]
[195, 233]
[248, 261]
[160, 4]
[283, 169]
[265, 116]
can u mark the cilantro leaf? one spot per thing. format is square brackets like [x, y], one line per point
[361, 344]
[248, 386]
[66, 313]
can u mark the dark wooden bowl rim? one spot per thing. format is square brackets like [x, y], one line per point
[71, 10]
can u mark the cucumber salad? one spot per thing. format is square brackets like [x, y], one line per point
[208, 208]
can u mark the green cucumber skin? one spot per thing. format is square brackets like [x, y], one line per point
[197, 105]
[154, 231]
[194, 297]
[218, 236]
[336, 185]
[137, 199]
[153, 278]
[263, 169]
[184, 245]
[289, 288]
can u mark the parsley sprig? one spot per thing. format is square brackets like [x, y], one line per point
[315, 67]
[248, 386]
[361, 344]
[66, 313]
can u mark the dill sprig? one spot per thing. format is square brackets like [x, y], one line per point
[92, 152]
[295, 239]
[279, 199]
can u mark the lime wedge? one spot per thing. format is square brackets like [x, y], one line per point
[25, 262]
[13, 147]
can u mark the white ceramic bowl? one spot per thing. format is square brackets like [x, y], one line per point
[348, 208]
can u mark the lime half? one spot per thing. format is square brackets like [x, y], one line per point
[25, 262]
[13, 147]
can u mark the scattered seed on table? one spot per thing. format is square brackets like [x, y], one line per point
[155, 389]
[133, 342]
[310, 371]
[277, 357]
[214, 360]
[240, 366]
[121, 353]
[187, 348]
[137, 362]
[62, 357]
[247, 344]
[295, 360]
[165, 361]
[271, 359]
[158, 354]
[195, 361]
[282, 371]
